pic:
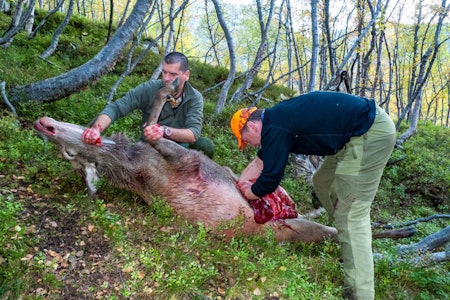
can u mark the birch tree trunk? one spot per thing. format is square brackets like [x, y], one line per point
[55, 88]
[49, 51]
[253, 71]
[29, 22]
[298, 62]
[42, 22]
[357, 42]
[169, 41]
[18, 22]
[212, 28]
[125, 13]
[271, 57]
[315, 46]
[367, 57]
[230, 79]
[110, 22]
[130, 64]
[326, 25]
[425, 66]
[290, 44]
[379, 83]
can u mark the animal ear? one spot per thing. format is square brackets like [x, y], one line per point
[175, 84]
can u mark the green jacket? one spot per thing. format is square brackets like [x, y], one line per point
[189, 114]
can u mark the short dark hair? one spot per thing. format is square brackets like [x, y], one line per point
[177, 58]
[256, 115]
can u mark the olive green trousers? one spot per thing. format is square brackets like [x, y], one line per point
[346, 184]
[203, 144]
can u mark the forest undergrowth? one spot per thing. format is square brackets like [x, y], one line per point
[57, 243]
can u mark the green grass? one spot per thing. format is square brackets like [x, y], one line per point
[55, 241]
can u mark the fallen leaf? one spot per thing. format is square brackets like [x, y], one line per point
[27, 257]
[221, 291]
[31, 229]
[41, 292]
[141, 275]
[52, 253]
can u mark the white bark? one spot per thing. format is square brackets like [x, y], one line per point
[230, 79]
[71, 82]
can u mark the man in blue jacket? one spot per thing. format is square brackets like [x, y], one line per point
[355, 136]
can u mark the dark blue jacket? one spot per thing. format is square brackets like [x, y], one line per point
[318, 123]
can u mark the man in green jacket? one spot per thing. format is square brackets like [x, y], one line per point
[180, 122]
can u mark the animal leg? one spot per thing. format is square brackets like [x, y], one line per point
[299, 229]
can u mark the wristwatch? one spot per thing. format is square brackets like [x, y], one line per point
[167, 132]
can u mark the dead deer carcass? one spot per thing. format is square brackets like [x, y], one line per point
[196, 187]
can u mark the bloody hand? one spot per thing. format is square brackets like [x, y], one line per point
[153, 132]
[91, 135]
[244, 186]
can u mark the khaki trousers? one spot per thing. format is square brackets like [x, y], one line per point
[346, 184]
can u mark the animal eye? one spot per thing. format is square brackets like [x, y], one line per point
[68, 154]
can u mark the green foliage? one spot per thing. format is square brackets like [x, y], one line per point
[205, 76]
[13, 247]
[402, 280]
[422, 175]
[108, 221]
[116, 246]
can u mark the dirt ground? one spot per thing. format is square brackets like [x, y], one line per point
[76, 257]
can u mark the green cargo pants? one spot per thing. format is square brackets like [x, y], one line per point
[203, 144]
[346, 184]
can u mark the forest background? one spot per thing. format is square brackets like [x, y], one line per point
[395, 51]
[67, 59]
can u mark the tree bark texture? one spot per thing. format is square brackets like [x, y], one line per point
[18, 22]
[253, 71]
[131, 64]
[49, 51]
[42, 22]
[315, 46]
[71, 82]
[230, 79]
[55, 88]
[358, 40]
[418, 82]
[429, 243]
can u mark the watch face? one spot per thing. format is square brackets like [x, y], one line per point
[167, 131]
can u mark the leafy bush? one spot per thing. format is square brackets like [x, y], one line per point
[422, 176]
[55, 241]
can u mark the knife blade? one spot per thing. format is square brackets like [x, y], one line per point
[110, 142]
